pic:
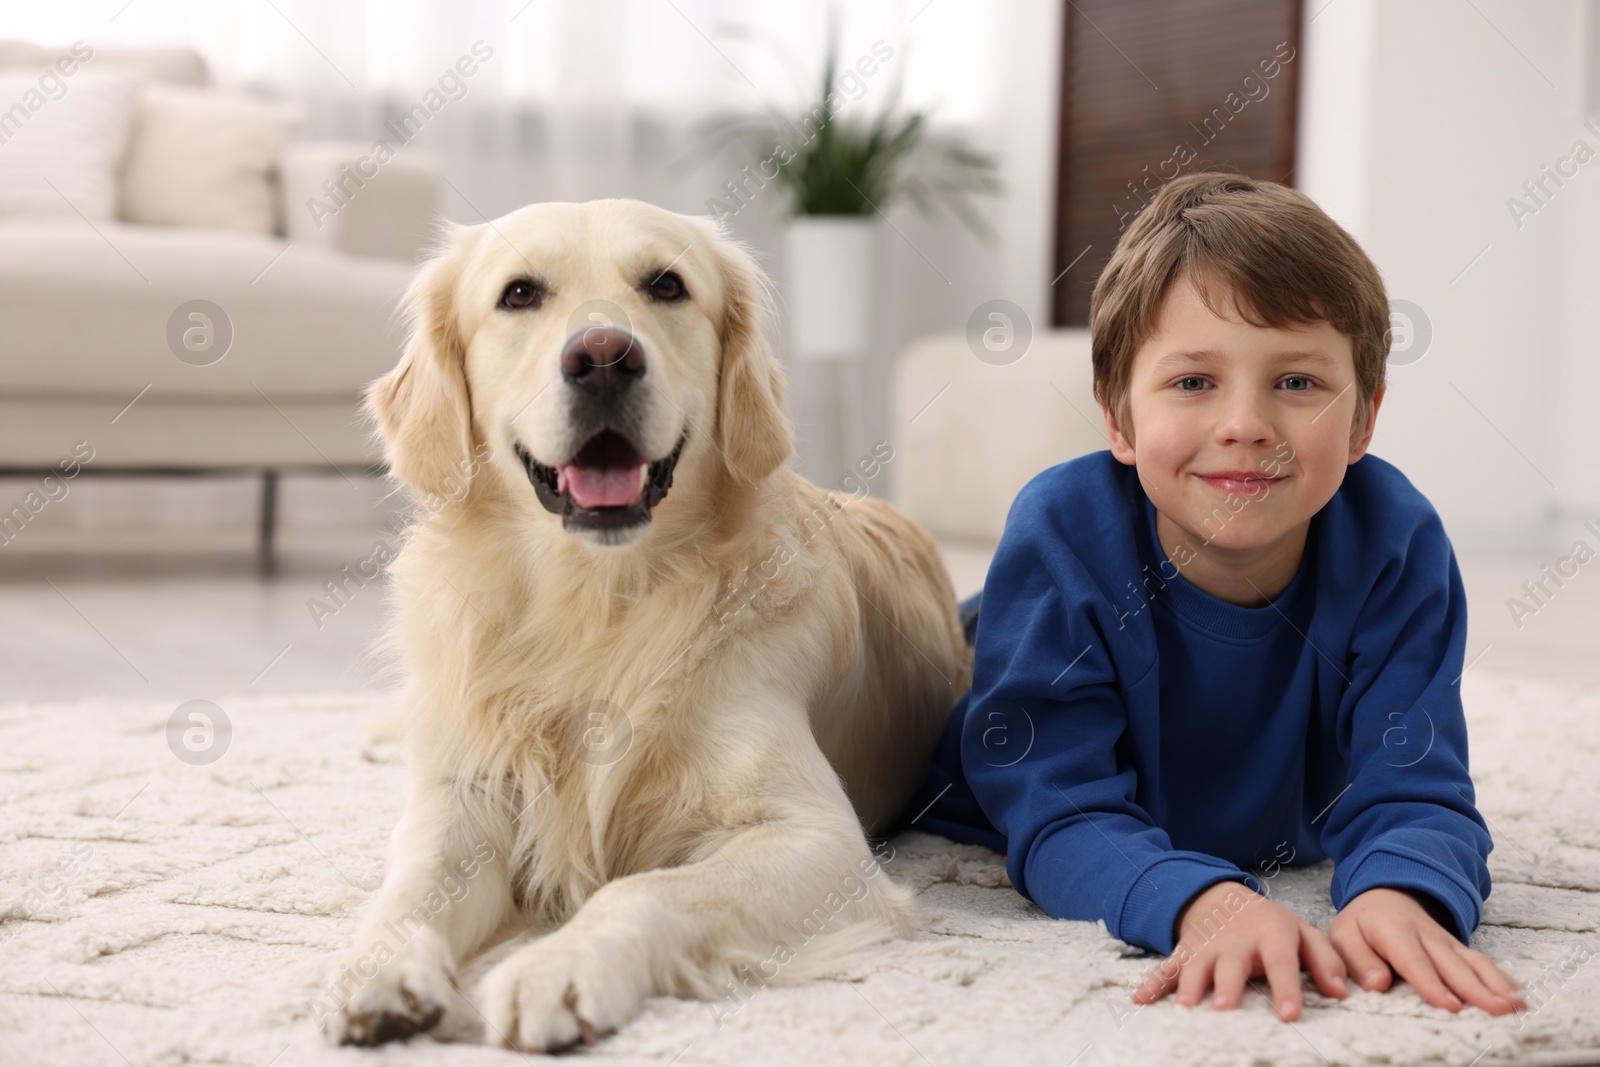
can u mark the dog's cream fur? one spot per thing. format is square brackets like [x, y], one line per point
[661, 750]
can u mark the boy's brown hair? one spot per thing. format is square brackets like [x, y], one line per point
[1278, 255]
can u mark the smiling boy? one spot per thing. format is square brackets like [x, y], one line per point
[1235, 638]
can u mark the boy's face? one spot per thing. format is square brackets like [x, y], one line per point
[1276, 404]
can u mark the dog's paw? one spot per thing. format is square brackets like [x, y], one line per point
[558, 991]
[385, 995]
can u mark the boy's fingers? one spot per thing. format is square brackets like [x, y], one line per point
[1411, 962]
[1363, 964]
[1461, 979]
[1162, 977]
[1195, 980]
[1492, 976]
[1323, 962]
[1280, 958]
[1233, 968]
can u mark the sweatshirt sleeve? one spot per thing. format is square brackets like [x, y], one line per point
[1043, 749]
[1407, 819]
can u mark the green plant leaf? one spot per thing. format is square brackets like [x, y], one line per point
[847, 165]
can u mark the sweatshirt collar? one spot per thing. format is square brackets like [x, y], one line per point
[1189, 601]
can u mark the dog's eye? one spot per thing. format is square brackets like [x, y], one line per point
[668, 286]
[520, 294]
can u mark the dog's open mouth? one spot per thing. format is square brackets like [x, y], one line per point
[607, 484]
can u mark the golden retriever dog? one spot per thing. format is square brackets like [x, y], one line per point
[661, 688]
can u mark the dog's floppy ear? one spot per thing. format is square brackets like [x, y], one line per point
[752, 431]
[422, 408]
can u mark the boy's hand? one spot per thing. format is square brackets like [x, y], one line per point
[1247, 935]
[1392, 925]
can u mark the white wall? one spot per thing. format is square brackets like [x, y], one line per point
[1576, 383]
[1419, 120]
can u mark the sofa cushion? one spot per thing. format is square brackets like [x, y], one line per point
[204, 158]
[62, 140]
[180, 66]
[86, 312]
[192, 434]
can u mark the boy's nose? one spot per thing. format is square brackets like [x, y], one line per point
[1242, 419]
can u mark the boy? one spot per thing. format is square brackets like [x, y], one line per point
[1225, 643]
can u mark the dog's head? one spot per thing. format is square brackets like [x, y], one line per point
[594, 349]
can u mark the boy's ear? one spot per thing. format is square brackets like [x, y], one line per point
[1359, 448]
[1121, 446]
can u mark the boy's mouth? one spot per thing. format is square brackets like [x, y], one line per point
[1244, 483]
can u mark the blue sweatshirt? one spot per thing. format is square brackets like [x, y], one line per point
[1129, 740]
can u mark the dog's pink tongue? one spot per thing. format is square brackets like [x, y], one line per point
[600, 487]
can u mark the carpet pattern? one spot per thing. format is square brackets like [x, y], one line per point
[157, 910]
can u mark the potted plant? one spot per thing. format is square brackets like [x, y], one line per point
[841, 173]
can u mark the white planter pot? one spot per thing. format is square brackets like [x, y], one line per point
[831, 265]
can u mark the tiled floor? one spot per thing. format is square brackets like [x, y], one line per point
[172, 609]
[180, 635]
[192, 623]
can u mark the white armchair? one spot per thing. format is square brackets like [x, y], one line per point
[972, 433]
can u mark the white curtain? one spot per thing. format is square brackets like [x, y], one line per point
[567, 99]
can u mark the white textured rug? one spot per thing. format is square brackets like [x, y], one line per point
[158, 912]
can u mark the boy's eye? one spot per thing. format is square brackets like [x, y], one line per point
[1185, 381]
[1307, 387]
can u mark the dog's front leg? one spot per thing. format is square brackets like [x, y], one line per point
[754, 891]
[445, 889]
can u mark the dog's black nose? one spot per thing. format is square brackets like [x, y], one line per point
[602, 358]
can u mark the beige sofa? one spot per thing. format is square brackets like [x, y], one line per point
[101, 343]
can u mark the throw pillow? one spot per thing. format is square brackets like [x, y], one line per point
[205, 158]
[61, 140]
